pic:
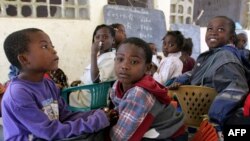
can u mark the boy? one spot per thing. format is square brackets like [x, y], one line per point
[219, 68]
[142, 103]
[32, 106]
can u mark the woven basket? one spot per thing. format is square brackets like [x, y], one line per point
[195, 102]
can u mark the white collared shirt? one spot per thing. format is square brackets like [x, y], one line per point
[170, 67]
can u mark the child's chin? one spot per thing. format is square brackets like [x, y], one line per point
[54, 68]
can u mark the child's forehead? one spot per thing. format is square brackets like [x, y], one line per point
[242, 35]
[38, 37]
[103, 30]
[130, 48]
[170, 37]
[219, 21]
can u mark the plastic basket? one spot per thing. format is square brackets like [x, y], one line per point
[99, 95]
[195, 102]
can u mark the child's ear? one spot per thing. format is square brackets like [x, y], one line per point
[233, 38]
[23, 60]
[148, 68]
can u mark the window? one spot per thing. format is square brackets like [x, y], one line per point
[180, 19]
[189, 10]
[172, 19]
[172, 8]
[188, 20]
[133, 3]
[180, 9]
[62, 9]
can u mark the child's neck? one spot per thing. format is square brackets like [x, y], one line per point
[34, 77]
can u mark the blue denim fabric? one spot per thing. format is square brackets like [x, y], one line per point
[14, 71]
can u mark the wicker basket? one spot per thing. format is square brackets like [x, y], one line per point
[195, 102]
[99, 95]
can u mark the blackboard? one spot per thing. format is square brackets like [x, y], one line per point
[147, 24]
[190, 31]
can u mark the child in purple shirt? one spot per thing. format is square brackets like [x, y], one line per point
[32, 107]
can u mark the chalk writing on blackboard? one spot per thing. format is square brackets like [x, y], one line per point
[148, 24]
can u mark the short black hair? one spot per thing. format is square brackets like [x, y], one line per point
[188, 46]
[179, 37]
[111, 30]
[116, 25]
[17, 43]
[141, 44]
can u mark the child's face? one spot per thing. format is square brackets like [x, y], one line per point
[153, 48]
[41, 56]
[130, 64]
[120, 34]
[241, 40]
[218, 33]
[104, 35]
[169, 45]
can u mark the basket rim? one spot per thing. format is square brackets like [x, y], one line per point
[195, 86]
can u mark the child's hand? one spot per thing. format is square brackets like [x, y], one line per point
[75, 83]
[96, 47]
[174, 86]
[2, 89]
[112, 115]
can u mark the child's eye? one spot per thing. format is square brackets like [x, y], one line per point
[209, 29]
[133, 62]
[118, 59]
[171, 45]
[220, 29]
[45, 46]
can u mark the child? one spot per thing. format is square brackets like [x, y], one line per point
[156, 59]
[120, 33]
[242, 43]
[142, 103]
[2, 90]
[186, 52]
[32, 106]
[219, 68]
[101, 67]
[170, 66]
[59, 77]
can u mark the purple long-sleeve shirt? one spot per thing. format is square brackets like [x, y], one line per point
[36, 109]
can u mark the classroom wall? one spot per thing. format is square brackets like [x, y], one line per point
[71, 38]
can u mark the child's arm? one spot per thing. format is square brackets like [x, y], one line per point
[24, 108]
[167, 69]
[132, 112]
[230, 82]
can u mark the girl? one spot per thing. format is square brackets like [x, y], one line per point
[186, 52]
[170, 66]
[120, 33]
[101, 67]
